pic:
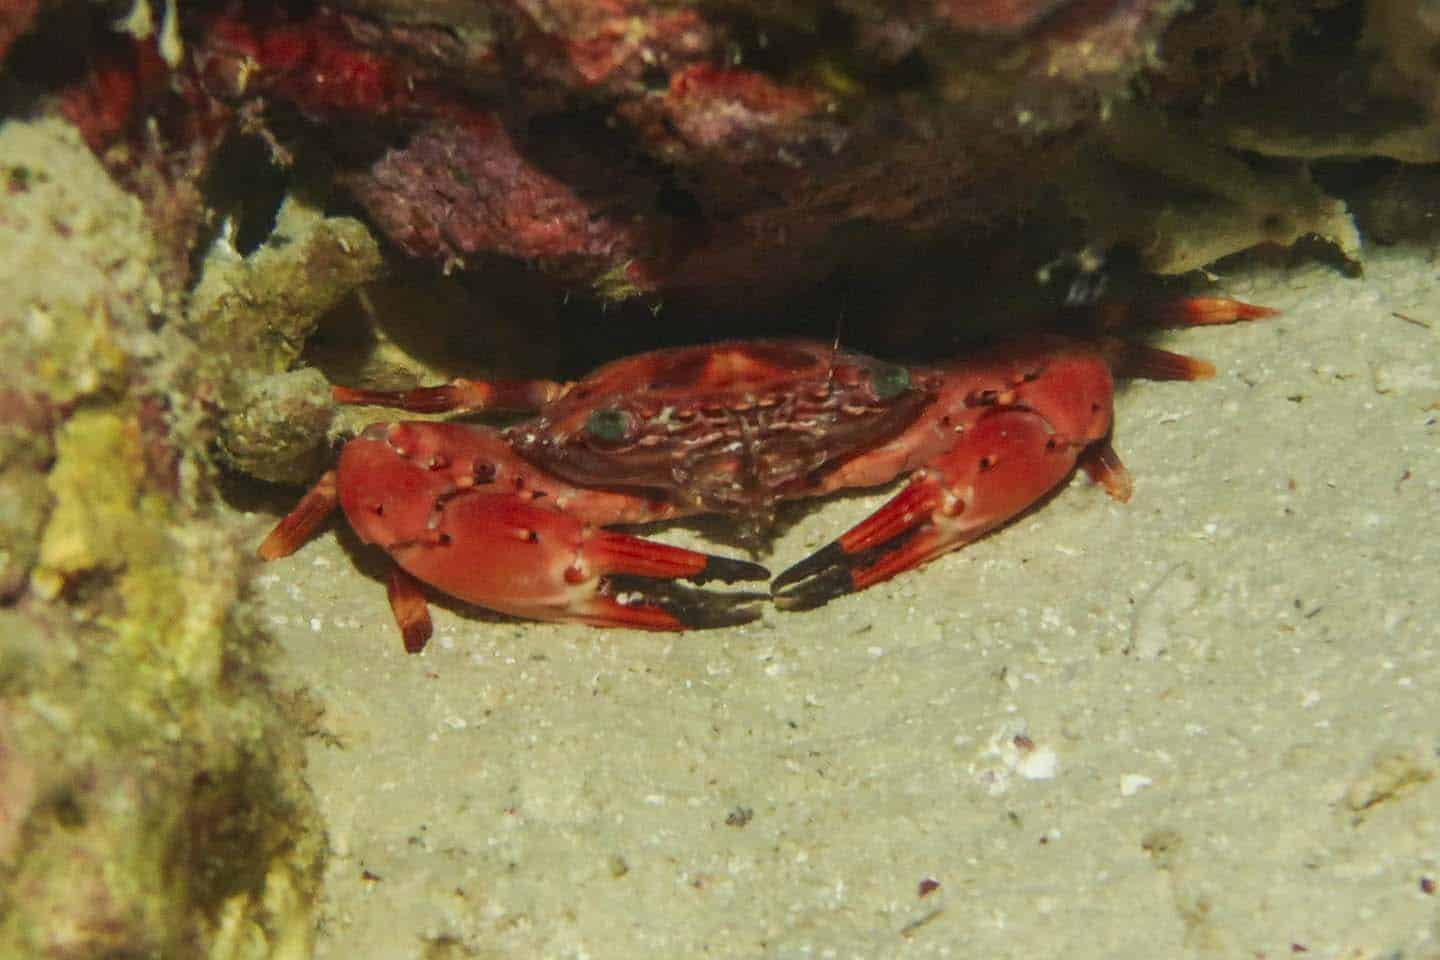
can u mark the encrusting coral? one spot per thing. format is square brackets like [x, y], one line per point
[151, 800]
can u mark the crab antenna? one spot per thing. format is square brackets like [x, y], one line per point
[835, 343]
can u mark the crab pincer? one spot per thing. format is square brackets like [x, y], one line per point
[1007, 463]
[1021, 420]
[457, 510]
[518, 556]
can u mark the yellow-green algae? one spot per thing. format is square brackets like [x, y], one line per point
[1182, 201]
[151, 798]
[257, 312]
[615, 285]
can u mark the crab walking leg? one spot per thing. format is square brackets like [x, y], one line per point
[460, 395]
[1102, 465]
[1187, 312]
[1110, 316]
[508, 553]
[1003, 464]
[301, 523]
[412, 613]
[407, 597]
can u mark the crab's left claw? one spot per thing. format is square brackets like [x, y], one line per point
[1006, 461]
[652, 604]
[618, 580]
[515, 555]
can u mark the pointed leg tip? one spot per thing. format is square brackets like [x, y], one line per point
[1250, 311]
[416, 636]
[287, 536]
[441, 399]
[273, 547]
[411, 612]
[1144, 362]
[1206, 311]
[302, 522]
[1104, 466]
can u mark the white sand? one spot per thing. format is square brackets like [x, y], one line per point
[1229, 689]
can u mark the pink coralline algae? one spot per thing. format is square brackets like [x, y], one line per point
[634, 147]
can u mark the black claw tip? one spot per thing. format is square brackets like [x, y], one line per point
[729, 570]
[695, 609]
[718, 610]
[831, 555]
[824, 587]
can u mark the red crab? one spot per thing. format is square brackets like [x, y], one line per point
[514, 519]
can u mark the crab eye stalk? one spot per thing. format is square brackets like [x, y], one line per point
[890, 381]
[609, 426]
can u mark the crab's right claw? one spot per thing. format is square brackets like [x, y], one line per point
[1005, 463]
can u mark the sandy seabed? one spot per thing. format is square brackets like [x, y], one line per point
[1203, 723]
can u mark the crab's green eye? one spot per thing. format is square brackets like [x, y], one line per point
[609, 426]
[889, 382]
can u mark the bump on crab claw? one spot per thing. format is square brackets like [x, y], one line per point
[694, 609]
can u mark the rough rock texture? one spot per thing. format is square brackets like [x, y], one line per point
[257, 312]
[637, 149]
[723, 154]
[1379, 97]
[150, 788]
[726, 153]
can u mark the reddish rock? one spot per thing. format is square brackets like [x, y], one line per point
[314, 63]
[461, 187]
[998, 16]
[631, 146]
[603, 44]
[15, 19]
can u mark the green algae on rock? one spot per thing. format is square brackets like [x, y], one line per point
[150, 786]
[257, 312]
